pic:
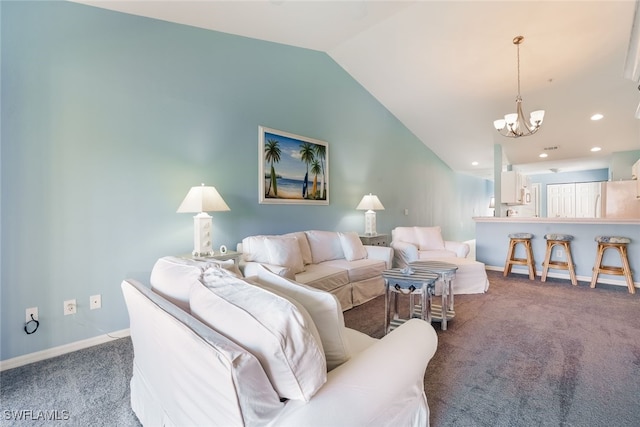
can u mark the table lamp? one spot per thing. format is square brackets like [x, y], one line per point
[201, 200]
[370, 203]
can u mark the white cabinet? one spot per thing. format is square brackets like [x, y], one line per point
[515, 188]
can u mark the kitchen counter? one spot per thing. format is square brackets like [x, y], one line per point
[538, 220]
[492, 243]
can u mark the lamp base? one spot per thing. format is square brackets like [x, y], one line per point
[370, 223]
[202, 225]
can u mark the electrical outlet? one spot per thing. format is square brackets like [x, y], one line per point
[559, 253]
[95, 302]
[69, 307]
[30, 311]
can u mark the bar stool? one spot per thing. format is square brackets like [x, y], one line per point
[620, 244]
[525, 240]
[563, 240]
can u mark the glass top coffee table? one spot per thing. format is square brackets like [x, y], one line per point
[410, 282]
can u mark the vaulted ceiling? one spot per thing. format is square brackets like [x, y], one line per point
[447, 69]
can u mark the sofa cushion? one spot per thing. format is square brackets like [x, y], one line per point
[325, 245]
[285, 251]
[324, 277]
[406, 234]
[171, 277]
[272, 328]
[435, 254]
[324, 308]
[430, 238]
[352, 246]
[361, 269]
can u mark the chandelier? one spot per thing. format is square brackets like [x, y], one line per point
[514, 125]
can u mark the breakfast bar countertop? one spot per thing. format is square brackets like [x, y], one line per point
[540, 220]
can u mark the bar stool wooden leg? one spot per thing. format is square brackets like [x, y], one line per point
[531, 263]
[572, 270]
[545, 263]
[507, 268]
[596, 267]
[626, 269]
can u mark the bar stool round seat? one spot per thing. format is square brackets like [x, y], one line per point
[618, 243]
[525, 240]
[563, 241]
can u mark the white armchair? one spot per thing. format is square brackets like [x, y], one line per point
[419, 243]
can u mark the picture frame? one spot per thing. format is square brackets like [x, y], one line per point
[292, 169]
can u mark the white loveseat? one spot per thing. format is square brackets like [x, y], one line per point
[421, 243]
[332, 261]
[214, 349]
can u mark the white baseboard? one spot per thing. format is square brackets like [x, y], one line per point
[60, 350]
[556, 275]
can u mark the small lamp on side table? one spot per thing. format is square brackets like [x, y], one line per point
[370, 203]
[201, 200]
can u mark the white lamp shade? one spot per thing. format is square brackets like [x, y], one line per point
[370, 202]
[202, 199]
[499, 124]
[511, 119]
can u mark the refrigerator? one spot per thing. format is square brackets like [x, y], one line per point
[620, 199]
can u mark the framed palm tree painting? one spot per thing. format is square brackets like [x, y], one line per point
[293, 169]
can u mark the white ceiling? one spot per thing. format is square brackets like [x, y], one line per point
[447, 69]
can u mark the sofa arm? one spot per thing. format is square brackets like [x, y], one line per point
[382, 253]
[404, 253]
[250, 268]
[460, 248]
[383, 385]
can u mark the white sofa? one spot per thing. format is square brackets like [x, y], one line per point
[214, 349]
[421, 243]
[332, 261]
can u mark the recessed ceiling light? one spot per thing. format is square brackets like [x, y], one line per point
[474, 163]
[597, 116]
[594, 149]
[543, 155]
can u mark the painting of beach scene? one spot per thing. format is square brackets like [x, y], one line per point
[293, 169]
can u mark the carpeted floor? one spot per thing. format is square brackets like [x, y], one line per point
[529, 353]
[523, 354]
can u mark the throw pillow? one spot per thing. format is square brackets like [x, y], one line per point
[305, 250]
[270, 327]
[285, 252]
[325, 245]
[430, 238]
[171, 277]
[352, 246]
[406, 234]
[324, 308]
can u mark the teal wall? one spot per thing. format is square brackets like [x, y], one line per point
[109, 119]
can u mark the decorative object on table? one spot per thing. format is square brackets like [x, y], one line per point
[293, 169]
[514, 125]
[370, 203]
[201, 200]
